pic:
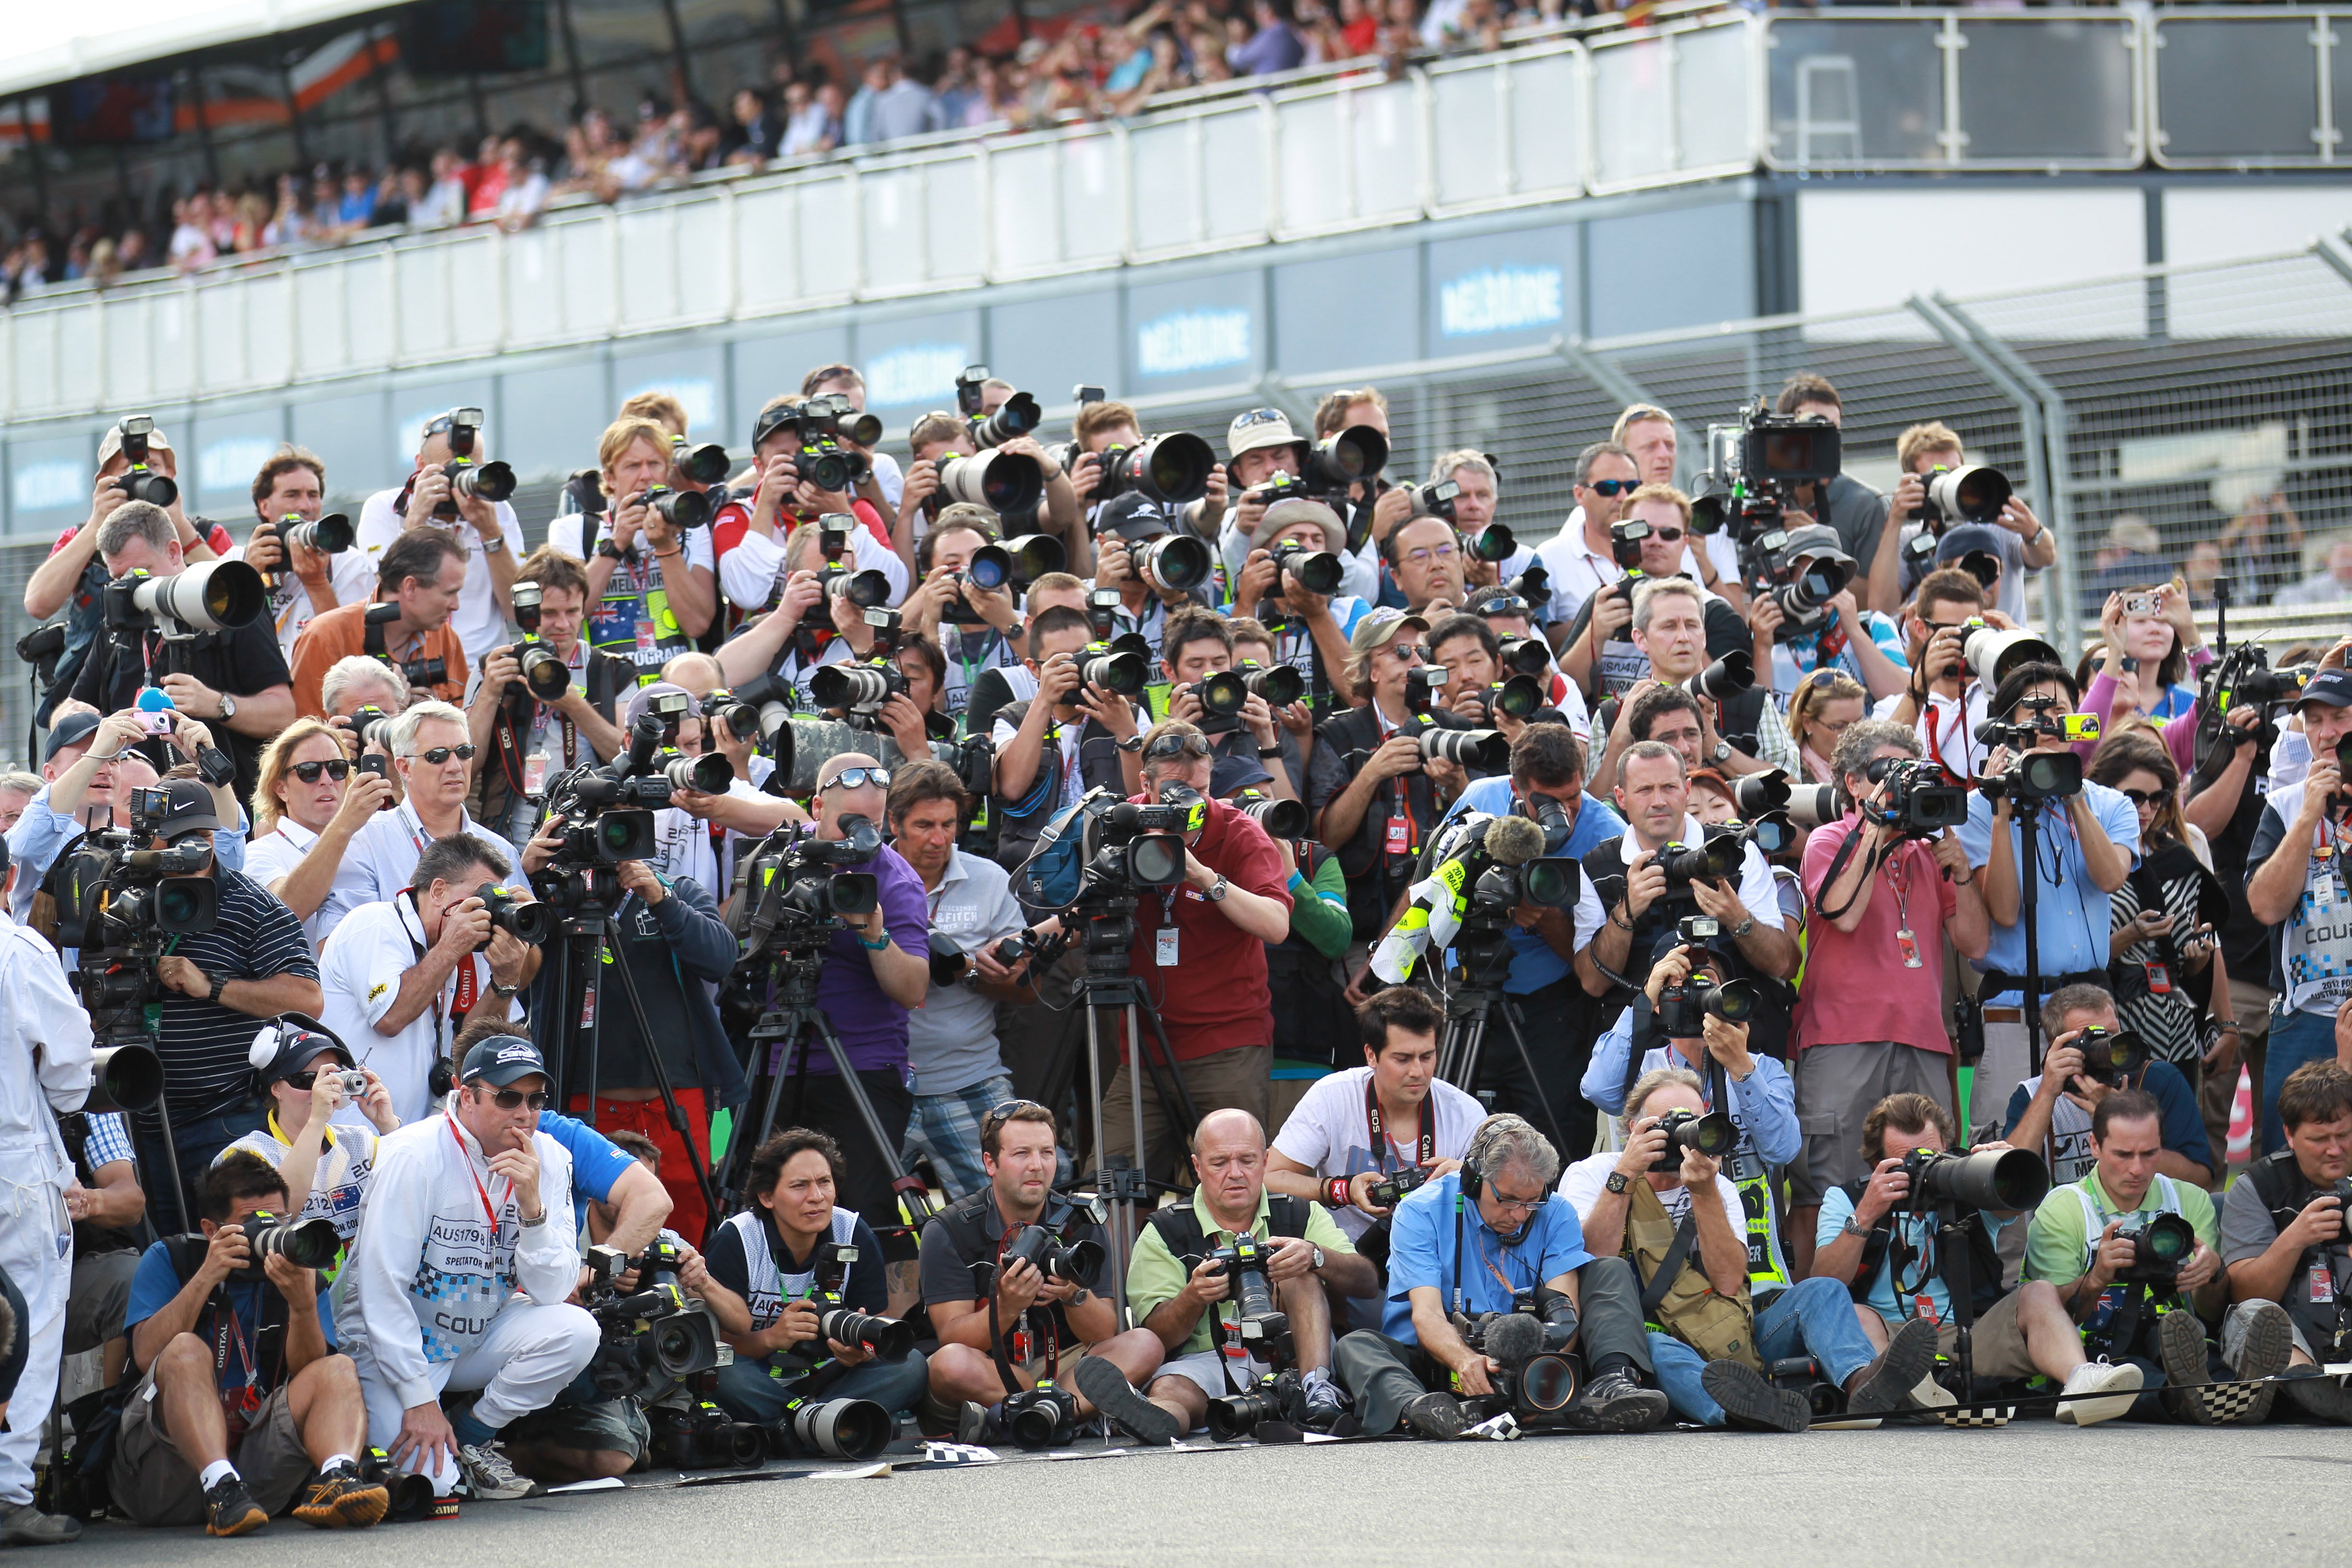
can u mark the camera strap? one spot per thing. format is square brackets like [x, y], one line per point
[1426, 1150]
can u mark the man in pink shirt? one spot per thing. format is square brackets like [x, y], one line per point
[1877, 904]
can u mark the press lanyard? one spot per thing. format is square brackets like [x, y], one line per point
[479, 1191]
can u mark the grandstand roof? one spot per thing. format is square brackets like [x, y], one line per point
[49, 45]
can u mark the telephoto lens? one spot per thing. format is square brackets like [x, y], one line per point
[1484, 749]
[1221, 693]
[1280, 818]
[331, 535]
[128, 1077]
[525, 920]
[304, 1243]
[1338, 460]
[548, 677]
[1174, 562]
[887, 1337]
[1730, 675]
[679, 509]
[1526, 656]
[1492, 545]
[1281, 686]
[949, 964]
[1016, 415]
[1317, 571]
[1717, 857]
[1121, 674]
[2006, 1181]
[869, 590]
[1036, 1246]
[708, 773]
[1171, 469]
[1519, 697]
[1971, 494]
[1436, 501]
[839, 1428]
[705, 465]
[1000, 481]
[851, 686]
[490, 481]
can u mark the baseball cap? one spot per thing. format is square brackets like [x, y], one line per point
[1379, 627]
[1260, 428]
[73, 730]
[1815, 541]
[289, 1043]
[1133, 515]
[644, 696]
[1283, 513]
[1230, 773]
[1967, 538]
[110, 445]
[191, 809]
[502, 1058]
[2329, 687]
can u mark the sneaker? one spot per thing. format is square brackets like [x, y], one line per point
[2183, 1353]
[2269, 1345]
[1325, 1403]
[2118, 1385]
[1886, 1383]
[26, 1525]
[342, 1498]
[972, 1424]
[2316, 1394]
[230, 1509]
[1749, 1401]
[489, 1477]
[1435, 1415]
[1616, 1402]
[1108, 1390]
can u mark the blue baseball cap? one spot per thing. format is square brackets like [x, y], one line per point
[502, 1058]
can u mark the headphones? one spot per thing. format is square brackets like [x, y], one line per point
[1474, 1179]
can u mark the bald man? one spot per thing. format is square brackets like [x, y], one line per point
[1190, 1303]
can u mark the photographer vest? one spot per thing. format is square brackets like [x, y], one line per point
[1179, 1226]
[1767, 1266]
[603, 678]
[2127, 1312]
[2318, 1294]
[1676, 1297]
[1604, 868]
[1044, 1327]
[1381, 859]
[1020, 822]
[1885, 1243]
[771, 1288]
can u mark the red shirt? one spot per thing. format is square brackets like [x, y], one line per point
[1900, 1004]
[1216, 998]
[732, 521]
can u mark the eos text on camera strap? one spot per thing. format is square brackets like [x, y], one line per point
[1425, 1145]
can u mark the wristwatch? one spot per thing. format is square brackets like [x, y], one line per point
[228, 707]
[1618, 1181]
[1722, 752]
[1217, 889]
[220, 984]
[1743, 928]
[504, 992]
[1273, 751]
[1851, 1228]
[1318, 1265]
[611, 551]
[492, 546]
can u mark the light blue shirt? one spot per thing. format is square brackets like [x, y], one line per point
[1764, 1108]
[1801, 656]
[2071, 913]
[33, 844]
[1420, 1252]
[1836, 1208]
[1534, 964]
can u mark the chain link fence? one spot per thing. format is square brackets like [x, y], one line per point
[2215, 401]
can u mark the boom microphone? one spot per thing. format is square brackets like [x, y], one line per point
[1512, 840]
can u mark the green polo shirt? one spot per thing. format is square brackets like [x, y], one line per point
[2057, 1242]
[1155, 1275]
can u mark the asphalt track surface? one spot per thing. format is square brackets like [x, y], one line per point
[2030, 1493]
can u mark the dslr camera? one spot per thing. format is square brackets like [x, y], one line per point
[820, 427]
[2161, 1244]
[1711, 1134]
[651, 1336]
[139, 481]
[1684, 1007]
[1917, 802]
[1262, 1327]
[490, 481]
[2113, 1057]
[2005, 1181]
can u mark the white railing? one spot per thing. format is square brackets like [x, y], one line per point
[1699, 99]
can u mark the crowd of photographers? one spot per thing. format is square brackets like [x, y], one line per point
[814, 943]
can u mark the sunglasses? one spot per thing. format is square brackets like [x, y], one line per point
[859, 778]
[1670, 535]
[1259, 417]
[993, 1122]
[1613, 487]
[508, 1098]
[306, 1081]
[440, 754]
[2147, 797]
[338, 770]
[1176, 746]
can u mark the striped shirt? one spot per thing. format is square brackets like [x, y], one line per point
[204, 1046]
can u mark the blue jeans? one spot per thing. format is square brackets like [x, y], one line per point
[1812, 1316]
[947, 1128]
[749, 1393]
[2295, 1038]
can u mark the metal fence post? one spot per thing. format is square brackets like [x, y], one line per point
[1612, 380]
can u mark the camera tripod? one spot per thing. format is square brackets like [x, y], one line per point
[1110, 992]
[588, 944]
[126, 1025]
[1474, 999]
[794, 1017]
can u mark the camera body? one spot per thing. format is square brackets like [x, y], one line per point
[1918, 801]
[2112, 1056]
[2161, 1244]
[702, 1436]
[820, 427]
[139, 481]
[305, 1243]
[651, 1336]
[1754, 467]
[1043, 1416]
[1397, 1185]
[1263, 1328]
[1711, 1134]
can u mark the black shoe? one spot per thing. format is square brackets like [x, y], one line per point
[1749, 1401]
[230, 1509]
[1108, 1390]
[1616, 1402]
[343, 1498]
[1434, 1414]
[1887, 1383]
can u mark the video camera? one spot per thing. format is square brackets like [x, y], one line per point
[651, 1336]
[139, 481]
[1540, 1378]
[1754, 467]
[127, 898]
[2034, 776]
[805, 890]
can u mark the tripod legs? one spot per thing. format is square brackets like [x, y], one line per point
[1461, 1055]
[670, 1106]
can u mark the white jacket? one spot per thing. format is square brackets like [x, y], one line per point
[426, 1275]
[38, 1016]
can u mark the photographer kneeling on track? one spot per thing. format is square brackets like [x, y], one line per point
[2286, 1240]
[799, 1262]
[1231, 903]
[1882, 1237]
[243, 1399]
[1012, 1274]
[1530, 1272]
[2131, 1252]
[1662, 1204]
[1414, 1125]
[1689, 1017]
[328, 1160]
[460, 1278]
[1234, 1285]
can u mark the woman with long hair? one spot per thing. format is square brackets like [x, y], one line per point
[1826, 701]
[2171, 986]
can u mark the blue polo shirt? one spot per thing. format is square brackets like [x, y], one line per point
[1420, 1252]
[596, 1163]
[1534, 964]
[2070, 914]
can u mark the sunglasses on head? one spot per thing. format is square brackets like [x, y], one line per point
[440, 754]
[1258, 416]
[859, 778]
[1176, 746]
[1613, 487]
[338, 770]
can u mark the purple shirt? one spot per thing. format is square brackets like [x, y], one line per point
[872, 1027]
[1269, 49]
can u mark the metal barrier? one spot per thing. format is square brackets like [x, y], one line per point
[1695, 98]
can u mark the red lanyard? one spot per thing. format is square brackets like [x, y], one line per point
[1380, 1145]
[483, 1193]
